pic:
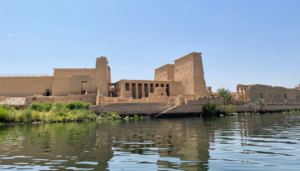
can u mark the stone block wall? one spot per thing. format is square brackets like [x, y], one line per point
[90, 98]
[24, 86]
[132, 108]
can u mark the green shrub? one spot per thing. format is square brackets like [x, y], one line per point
[78, 105]
[3, 115]
[36, 106]
[36, 116]
[47, 106]
[209, 110]
[16, 107]
[58, 105]
[229, 109]
[85, 106]
[4, 106]
[27, 115]
[70, 105]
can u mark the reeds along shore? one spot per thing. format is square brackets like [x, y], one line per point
[47, 112]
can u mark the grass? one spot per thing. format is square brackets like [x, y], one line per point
[47, 113]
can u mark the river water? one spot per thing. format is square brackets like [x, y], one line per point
[251, 142]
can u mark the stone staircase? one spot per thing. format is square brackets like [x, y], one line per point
[165, 111]
[14, 101]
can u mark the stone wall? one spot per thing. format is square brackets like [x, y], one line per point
[190, 107]
[90, 98]
[164, 73]
[189, 70]
[271, 93]
[132, 108]
[61, 79]
[24, 86]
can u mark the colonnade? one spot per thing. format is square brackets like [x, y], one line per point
[138, 90]
[242, 91]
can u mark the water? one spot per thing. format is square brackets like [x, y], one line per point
[253, 142]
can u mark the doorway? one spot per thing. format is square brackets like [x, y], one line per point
[84, 87]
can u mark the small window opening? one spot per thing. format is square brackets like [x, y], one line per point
[127, 86]
[156, 85]
[162, 85]
[285, 96]
[34, 100]
[261, 95]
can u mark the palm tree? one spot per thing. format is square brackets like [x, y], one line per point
[224, 94]
[261, 103]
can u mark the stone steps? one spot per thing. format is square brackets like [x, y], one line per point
[14, 101]
[163, 112]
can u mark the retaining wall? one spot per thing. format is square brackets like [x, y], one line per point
[132, 108]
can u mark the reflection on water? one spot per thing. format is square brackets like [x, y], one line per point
[254, 142]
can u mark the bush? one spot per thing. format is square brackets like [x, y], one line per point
[16, 107]
[229, 109]
[78, 105]
[27, 115]
[58, 105]
[85, 106]
[36, 106]
[209, 110]
[3, 115]
[70, 105]
[4, 106]
[36, 116]
[47, 106]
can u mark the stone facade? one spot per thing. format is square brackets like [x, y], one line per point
[188, 70]
[164, 73]
[268, 93]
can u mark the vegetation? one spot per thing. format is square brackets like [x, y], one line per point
[229, 109]
[48, 112]
[224, 94]
[109, 116]
[261, 103]
[209, 110]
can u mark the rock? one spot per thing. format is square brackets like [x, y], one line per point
[232, 114]
[221, 115]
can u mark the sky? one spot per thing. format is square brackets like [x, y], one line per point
[242, 41]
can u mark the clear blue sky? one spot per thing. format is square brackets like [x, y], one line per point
[242, 41]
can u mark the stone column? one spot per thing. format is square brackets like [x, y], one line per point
[242, 93]
[143, 90]
[130, 90]
[245, 93]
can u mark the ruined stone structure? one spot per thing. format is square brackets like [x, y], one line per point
[268, 93]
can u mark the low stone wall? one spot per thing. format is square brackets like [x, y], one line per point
[191, 107]
[89, 98]
[195, 106]
[132, 108]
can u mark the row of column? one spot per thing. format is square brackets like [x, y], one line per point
[143, 88]
[243, 92]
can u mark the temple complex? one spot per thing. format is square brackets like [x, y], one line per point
[176, 87]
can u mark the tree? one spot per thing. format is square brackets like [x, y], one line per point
[261, 103]
[224, 94]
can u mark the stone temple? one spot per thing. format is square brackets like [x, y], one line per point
[177, 88]
[93, 85]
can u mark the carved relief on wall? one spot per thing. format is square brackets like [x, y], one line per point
[184, 73]
[161, 76]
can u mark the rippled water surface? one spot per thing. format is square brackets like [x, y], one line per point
[253, 142]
